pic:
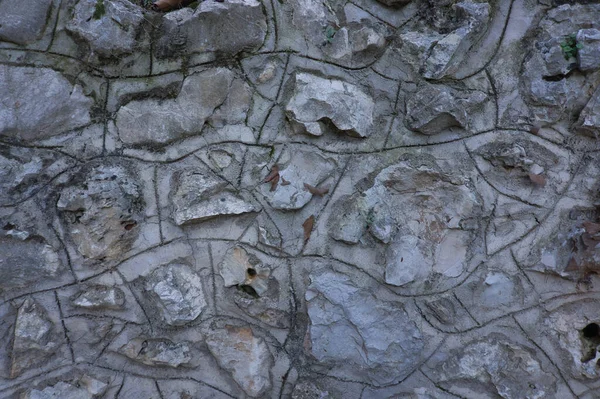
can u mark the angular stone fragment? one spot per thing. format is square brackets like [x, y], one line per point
[588, 56]
[317, 101]
[450, 51]
[589, 119]
[101, 210]
[200, 196]
[243, 269]
[85, 388]
[35, 338]
[110, 28]
[348, 220]
[99, 297]
[23, 22]
[157, 352]
[357, 335]
[244, 355]
[179, 293]
[159, 122]
[225, 28]
[39, 103]
[436, 108]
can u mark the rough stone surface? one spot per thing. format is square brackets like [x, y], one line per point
[300, 199]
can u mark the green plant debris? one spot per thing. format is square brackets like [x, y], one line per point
[330, 32]
[99, 10]
[570, 47]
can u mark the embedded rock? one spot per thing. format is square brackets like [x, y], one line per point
[35, 339]
[84, 388]
[357, 335]
[200, 196]
[110, 28]
[238, 268]
[244, 355]
[157, 352]
[178, 293]
[40, 103]
[588, 56]
[101, 210]
[348, 221]
[22, 22]
[317, 101]
[589, 119]
[436, 108]
[99, 297]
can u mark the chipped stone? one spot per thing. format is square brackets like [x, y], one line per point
[157, 352]
[99, 297]
[239, 268]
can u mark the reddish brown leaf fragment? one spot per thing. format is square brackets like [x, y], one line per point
[274, 182]
[308, 226]
[535, 129]
[284, 182]
[572, 266]
[591, 228]
[538, 180]
[274, 173]
[316, 190]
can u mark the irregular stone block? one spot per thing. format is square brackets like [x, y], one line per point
[99, 297]
[157, 352]
[244, 355]
[23, 22]
[200, 196]
[317, 101]
[179, 293]
[588, 56]
[244, 270]
[358, 335]
[85, 388]
[40, 103]
[588, 122]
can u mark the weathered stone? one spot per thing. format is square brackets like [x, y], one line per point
[348, 221]
[435, 108]
[84, 388]
[588, 56]
[22, 22]
[304, 167]
[99, 297]
[358, 335]
[179, 293]
[589, 119]
[110, 28]
[244, 355]
[200, 196]
[317, 101]
[157, 352]
[238, 268]
[160, 122]
[221, 28]
[101, 210]
[35, 338]
[40, 103]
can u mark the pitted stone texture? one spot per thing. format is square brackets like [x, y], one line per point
[240, 268]
[317, 101]
[246, 356]
[35, 338]
[23, 22]
[225, 28]
[40, 103]
[99, 297]
[199, 196]
[157, 352]
[356, 334]
[101, 210]
[110, 27]
[179, 293]
[214, 95]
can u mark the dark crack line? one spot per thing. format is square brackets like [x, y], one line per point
[65, 331]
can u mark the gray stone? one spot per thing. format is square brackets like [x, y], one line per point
[358, 335]
[40, 103]
[110, 27]
[101, 210]
[244, 355]
[588, 56]
[317, 101]
[588, 122]
[348, 221]
[84, 388]
[435, 108]
[179, 293]
[199, 196]
[99, 297]
[34, 340]
[214, 95]
[238, 268]
[157, 352]
[22, 22]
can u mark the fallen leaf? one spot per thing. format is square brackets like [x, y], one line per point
[308, 226]
[572, 266]
[535, 129]
[274, 182]
[591, 228]
[284, 182]
[538, 180]
[315, 190]
[274, 173]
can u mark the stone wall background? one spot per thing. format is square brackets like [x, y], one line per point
[303, 198]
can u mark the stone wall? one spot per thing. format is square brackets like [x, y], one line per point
[300, 199]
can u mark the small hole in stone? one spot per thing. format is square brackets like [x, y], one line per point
[9, 226]
[248, 290]
[251, 272]
[222, 199]
[592, 330]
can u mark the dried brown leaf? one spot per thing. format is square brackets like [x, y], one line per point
[308, 226]
[535, 128]
[591, 228]
[284, 182]
[316, 190]
[274, 182]
[538, 180]
[274, 173]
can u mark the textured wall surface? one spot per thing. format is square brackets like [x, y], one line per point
[300, 199]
